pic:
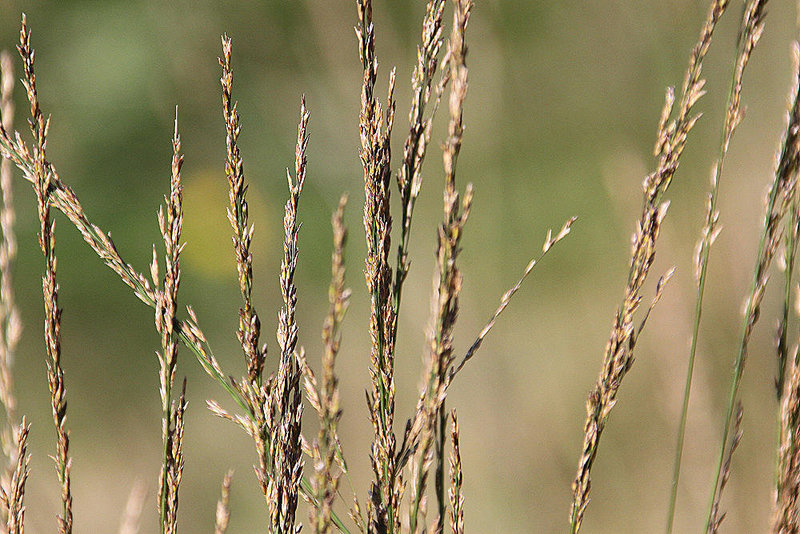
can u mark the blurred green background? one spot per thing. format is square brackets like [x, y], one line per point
[561, 114]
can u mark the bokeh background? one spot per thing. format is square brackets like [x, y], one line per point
[561, 115]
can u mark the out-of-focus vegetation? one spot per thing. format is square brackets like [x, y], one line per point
[560, 120]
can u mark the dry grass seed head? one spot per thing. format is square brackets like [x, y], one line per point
[618, 356]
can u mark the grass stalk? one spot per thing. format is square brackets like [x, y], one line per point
[619, 352]
[63, 198]
[284, 399]
[456, 480]
[324, 397]
[13, 498]
[375, 128]
[47, 241]
[450, 235]
[409, 177]
[749, 31]
[170, 225]
[780, 196]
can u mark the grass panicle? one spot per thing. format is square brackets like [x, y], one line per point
[170, 222]
[619, 353]
[505, 300]
[788, 476]
[326, 453]
[175, 471]
[268, 404]
[249, 323]
[781, 192]
[455, 218]
[430, 409]
[409, 177]
[284, 402]
[12, 499]
[750, 31]
[788, 258]
[10, 324]
[47, 241]
[375, 126]
[787, 508]
[717, 516]
[223, 514]
[456, 480]
[787, 263]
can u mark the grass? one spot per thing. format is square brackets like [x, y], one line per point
[417, 470]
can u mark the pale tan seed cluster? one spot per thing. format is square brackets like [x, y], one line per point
[446, 293]
[409, 177]
[787, 513]
[284, 401]
[170, 222]
[47, 241]
[249, 323]
[271, 408]
[13, 497]
[456, 480]
[326, 450]
[750, 31]
[619, 353]
[376, 128]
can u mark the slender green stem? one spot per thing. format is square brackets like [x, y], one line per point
[791, 252]
[739, 364]
[705, 250]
